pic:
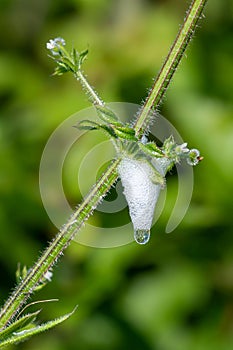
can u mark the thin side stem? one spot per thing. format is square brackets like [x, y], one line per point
[57, 246]
[94, 98]
[170, 65]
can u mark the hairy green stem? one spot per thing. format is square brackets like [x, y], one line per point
[60, 242]
[68, 231]
[170, 65]
[94, 98]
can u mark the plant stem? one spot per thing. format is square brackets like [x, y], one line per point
[94, 98]
[60, 242]
[170, 65]
[68, 231]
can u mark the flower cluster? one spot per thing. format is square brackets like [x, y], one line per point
[178, 152]
[66, 62]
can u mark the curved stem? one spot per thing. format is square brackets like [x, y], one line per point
[58, 245]
[170, 65]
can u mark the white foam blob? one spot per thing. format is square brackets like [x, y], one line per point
[140, 192]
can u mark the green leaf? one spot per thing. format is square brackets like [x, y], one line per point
[108, 129]
[168, 145]
[67, 62]
[90, 125]
[20, 274]
[19, 324]
[40, 286]
[107, 115]
[82, 57]
[61, 69]
[156, 177]
[27, 333]
[151, 149]
[87, 125]
[125, 132]
[75, 56]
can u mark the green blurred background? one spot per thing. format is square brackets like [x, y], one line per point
[175, 293]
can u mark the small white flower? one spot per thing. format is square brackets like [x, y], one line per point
[48, 276]
[194, 157]
[54, 45]
[144, 139]
[182, 148]
[50, 45]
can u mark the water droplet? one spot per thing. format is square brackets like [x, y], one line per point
[142, 236]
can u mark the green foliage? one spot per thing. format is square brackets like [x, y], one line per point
[66, 62]
[18, 326]
[151, 149]
[24, 328]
